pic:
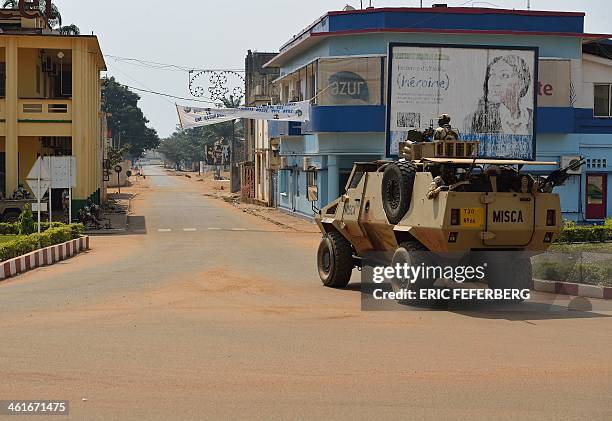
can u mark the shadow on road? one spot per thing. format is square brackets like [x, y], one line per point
[576, 308]
[137, 224]
[541, 306]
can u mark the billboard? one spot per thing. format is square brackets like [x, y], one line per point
[489, 92]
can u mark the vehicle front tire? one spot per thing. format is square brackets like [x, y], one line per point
[513, 273]
[335, 260]
[412, 254]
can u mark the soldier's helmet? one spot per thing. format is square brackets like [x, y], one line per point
[443, 120]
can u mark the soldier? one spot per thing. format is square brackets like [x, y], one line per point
[445, 131]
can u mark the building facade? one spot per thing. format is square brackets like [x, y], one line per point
[340, 63]
[259, 172]
[50, 103]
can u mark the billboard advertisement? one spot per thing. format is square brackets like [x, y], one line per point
[489, 92]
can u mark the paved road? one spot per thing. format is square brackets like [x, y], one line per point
[204, 312]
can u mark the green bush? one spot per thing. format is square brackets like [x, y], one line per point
[585, 233]
[26, 221]
[9, 229]
[590, 273]
[552, 271]
[55, 233]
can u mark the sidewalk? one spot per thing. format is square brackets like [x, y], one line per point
[116, 212]
[220, 190]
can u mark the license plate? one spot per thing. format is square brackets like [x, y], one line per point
[472, 217]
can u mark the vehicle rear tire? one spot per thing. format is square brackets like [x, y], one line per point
[335, 260]
[10, 217]
[413, 254]
[397, 184]
[509, 273]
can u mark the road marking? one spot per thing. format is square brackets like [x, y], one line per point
[164, 230]
[190, 229]
[239, 229]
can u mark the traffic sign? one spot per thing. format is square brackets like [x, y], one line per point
[43, 207]
[44, 186]
[63, 171]
[40, 169]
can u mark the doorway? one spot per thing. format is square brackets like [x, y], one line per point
[596, 196]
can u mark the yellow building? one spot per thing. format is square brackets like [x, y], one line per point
[50, 101]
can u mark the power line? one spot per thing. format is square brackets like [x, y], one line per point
[167, 95]
[163, 66]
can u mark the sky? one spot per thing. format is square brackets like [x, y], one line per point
[212, 34]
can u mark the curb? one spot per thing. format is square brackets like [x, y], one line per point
[43, 257]
[568, 288]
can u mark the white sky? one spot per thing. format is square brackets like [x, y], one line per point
[217, 34]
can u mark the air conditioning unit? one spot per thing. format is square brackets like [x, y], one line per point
[284, 162]
[567, 160]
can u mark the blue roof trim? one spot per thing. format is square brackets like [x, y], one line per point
[489, 21]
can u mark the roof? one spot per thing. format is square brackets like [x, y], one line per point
[443, 20]
[92, 38]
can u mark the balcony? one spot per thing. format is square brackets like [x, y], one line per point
[45, 110]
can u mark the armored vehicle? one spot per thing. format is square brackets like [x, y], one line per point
[438, 198]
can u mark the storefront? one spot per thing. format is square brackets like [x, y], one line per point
[340, 63]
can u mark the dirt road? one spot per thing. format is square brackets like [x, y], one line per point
[205, 312]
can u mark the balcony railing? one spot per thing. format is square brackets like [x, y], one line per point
[52, 110]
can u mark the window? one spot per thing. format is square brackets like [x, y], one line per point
[597, 163]
[38, 79]
[2, 79]
[601, 106]
[283, 182]
[311, 178]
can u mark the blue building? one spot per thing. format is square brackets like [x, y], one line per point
[340, 63]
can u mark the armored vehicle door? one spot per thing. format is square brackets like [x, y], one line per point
[353, 198]
[510, 219]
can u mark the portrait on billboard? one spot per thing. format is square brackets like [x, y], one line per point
[489, 93]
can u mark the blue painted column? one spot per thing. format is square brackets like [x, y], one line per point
[332, 178]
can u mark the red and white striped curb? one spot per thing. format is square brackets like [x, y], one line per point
[43, 257]
[568, 288]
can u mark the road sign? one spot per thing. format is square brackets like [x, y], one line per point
[63, 171]
[44, 186]
[40, 169]
[43, 207]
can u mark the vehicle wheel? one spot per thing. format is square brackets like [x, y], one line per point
[11, 217]
[397, 183]
[509, 273]
[412, 254]
[335, 260]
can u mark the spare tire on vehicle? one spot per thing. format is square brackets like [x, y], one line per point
[397, 183]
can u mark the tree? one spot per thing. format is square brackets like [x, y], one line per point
[70, 30]
[116, 155]
[174, 148]
[127, 122]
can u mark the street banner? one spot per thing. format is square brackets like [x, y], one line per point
[191, 117]
[490, 93]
